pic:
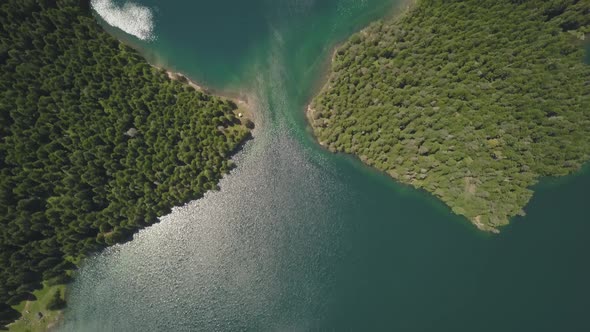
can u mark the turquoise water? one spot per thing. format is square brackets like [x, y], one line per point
[299, 239]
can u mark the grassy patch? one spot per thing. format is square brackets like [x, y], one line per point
[35, 315]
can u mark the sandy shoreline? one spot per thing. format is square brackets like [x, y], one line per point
[243, 101]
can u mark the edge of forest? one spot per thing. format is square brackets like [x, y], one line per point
[50, 320]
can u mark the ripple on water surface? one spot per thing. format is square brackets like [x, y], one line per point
[256, 248]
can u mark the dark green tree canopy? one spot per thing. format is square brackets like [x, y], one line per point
[94, 143]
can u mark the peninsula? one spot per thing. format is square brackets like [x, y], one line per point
[473, 101]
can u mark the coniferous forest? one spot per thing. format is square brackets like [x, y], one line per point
[473, 100]
[94, 142]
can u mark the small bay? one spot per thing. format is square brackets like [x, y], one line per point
[300, 239]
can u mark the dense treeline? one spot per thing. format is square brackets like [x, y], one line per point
[95, 143]
[470, 100]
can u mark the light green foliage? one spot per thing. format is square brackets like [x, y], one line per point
[472, 100]
[95, 143]
[36, 314]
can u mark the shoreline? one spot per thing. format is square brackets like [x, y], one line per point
[243, 101]
[396, 13]
[323, 81]
[317, 123]
[247, 117]
[244, 112]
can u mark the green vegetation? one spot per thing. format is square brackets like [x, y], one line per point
[94, 143]
[471, 100]
[38, 315]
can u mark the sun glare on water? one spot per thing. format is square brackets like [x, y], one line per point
[132, 18]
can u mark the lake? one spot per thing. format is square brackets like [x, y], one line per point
[299, 239]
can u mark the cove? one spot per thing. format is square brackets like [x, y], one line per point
[300, 239]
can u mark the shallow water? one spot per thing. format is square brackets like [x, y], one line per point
[299, 239]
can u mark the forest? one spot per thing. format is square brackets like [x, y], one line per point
[473, 101]
[95, 143]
